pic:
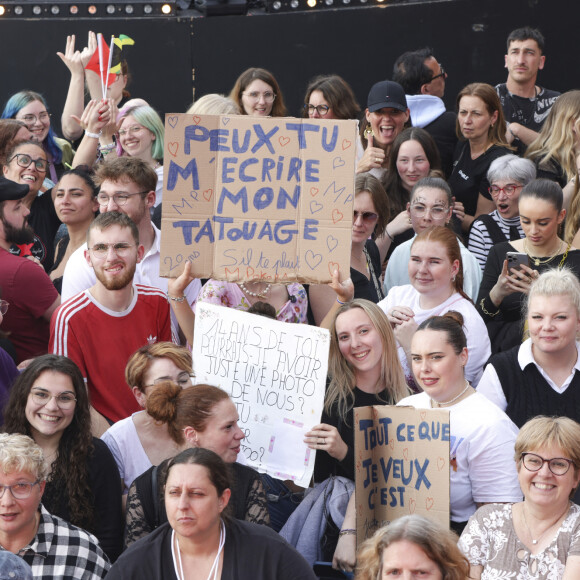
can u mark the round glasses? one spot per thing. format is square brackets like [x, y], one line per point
[557, 465]
[120, 199]
[43, 117]
[121, 249]
[183, 380]
[255, 96]
[509, 189]
[64, 400]
[4, 307]
[322, 110]
[20, 490]
[23, 160]
[366, 216]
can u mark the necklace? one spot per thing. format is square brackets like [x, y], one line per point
[255, 294]
[536, 260]
[445, 403]
[534, 542]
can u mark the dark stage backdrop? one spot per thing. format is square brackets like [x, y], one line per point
[175, 56]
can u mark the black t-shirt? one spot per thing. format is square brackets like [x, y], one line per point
[365, 287]
[45, 223]
[469, 176]
[442, 129]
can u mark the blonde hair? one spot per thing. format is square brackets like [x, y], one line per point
[342, 383]
[438, 544]
[556, 139]
[555, 282]
[21, 453]
[214, 104]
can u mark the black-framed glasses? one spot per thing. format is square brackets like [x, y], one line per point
[121, 249]
[322, 110]
[63, 400]
[509, 189]
[435, 212]
[120, 199]
[557, 465]
[366, 216]
[24, 160]
[20, 490]
[441, 74]
[4, 307]
[183, 380]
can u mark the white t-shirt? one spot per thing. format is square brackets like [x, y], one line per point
[478, 344]
[481, 451]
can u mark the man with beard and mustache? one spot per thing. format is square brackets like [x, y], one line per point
[100, 328]
[25, 285]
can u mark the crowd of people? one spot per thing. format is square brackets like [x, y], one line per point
[463, 294]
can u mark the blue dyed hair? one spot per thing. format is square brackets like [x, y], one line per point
[19, 101]
[148, 117]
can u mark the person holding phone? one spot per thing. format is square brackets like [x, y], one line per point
[503, 288]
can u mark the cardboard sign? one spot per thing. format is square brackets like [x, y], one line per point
[250, 198]
[275, 373]
[402, 465]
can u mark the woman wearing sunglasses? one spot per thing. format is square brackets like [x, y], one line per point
[540, 536]
[27, 163]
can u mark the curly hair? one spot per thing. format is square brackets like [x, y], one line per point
[438, 544]
[69, 470]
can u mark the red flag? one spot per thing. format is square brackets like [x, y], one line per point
[94, 65]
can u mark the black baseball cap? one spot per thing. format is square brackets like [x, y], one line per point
[386, 94]
[10, 190]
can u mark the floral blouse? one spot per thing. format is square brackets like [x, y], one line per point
[490, 540]
[230, 294]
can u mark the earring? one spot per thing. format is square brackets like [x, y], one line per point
[368, 131]
[410, 220]
[453, 279]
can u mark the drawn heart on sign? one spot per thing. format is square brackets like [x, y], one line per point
[172, 121]
[225, 120]
[332, 266]
[312, 259]
[440, 463]
[207, 194]
[315, 206]
[406, 453]
[346, 144]
[196, 119]
[173, 148]
[429, 503]
[412, 503]
[423, 414]
[283, 140]
[314, 191]
[337, 216]
[331, 243]
[338, 162]
[392, 444]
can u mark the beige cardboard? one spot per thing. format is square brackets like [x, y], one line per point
[401, 465]
[295, 210]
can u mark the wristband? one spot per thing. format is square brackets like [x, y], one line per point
[341, 303]
[347, 532]
[389, 235]
[175, 298]
[108, 147]
[93, 135]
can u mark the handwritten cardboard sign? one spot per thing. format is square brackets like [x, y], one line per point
[402, 465]
[247, 198]
[275, 372]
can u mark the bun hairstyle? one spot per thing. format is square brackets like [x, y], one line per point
[451, 323]
[179, 408]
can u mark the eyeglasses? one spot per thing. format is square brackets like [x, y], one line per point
[322, 110]
[557, 465]
[509, 189]
[43, 117]
[183, 380]
[120, 199]
[20, 490]
[441, 74]
[24, 161]
[255, 96]
[133, 130]
[366, 216]
[4, 307]
[435, 212]
[64, 400]
[121, 249]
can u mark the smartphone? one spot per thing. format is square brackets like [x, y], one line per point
[517, 259]
[325, 571]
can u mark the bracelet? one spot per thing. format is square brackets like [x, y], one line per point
[93, 135]
[389, 235]
[176, 298]
[347, 532]
[341, 303]
[490, 314]
[108, 147]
